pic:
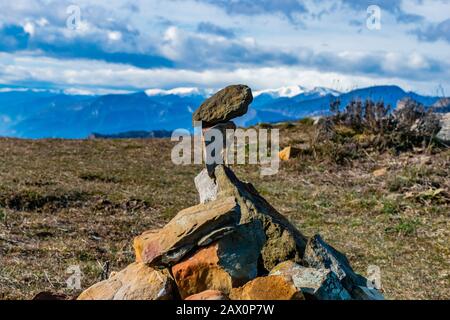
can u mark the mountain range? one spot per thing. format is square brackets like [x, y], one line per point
[26, 113]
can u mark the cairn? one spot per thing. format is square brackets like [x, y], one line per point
[233, 244]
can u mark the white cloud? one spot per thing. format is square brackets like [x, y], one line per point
[29, 28]
[114, 35]
[262, 45]
[42, 22]
[433, 10]
[86, 74]
[94, 92]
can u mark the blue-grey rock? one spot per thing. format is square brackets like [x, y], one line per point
[319, 284]
[321, 255]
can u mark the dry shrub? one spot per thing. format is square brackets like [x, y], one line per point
[372, 125]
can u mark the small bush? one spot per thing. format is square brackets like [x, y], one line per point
[373, 125]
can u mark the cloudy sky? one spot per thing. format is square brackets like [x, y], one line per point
[118, 45]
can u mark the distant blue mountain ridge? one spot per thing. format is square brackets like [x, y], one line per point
[51, 114]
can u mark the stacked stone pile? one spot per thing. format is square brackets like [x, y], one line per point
[233, 244]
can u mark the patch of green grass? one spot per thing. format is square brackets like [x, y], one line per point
[406, 227]
[399, 183]
[390, 207]
[367, 203]
[414, 175]
[324, 201]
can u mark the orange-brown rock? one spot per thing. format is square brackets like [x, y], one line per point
[267, 288]
[201, 272]
[288, 153]
[135, 282]
[208, 295]
[224, 264]
[171, 243]
[139, 242]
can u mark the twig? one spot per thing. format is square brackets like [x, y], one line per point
[369, 156]
[48, 279]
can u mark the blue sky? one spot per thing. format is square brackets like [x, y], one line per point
[119, 46]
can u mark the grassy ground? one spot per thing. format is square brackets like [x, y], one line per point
[65, 203]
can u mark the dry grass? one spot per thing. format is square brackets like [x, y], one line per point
[66, 203]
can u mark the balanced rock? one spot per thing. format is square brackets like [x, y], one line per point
[267, 288]
[208, 295]
[171, 243]
[222, 265]
[228, 103]
[135, 282]
[320, 284]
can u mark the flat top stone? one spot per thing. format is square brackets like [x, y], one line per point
[228, 103]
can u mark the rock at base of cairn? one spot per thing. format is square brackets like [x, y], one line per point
[317, 284]
[267, 288]
[135, 282]
[225, 264]
[208, 295]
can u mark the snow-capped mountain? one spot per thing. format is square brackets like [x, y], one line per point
[182, 91]
[324, 91]
[288, 92]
